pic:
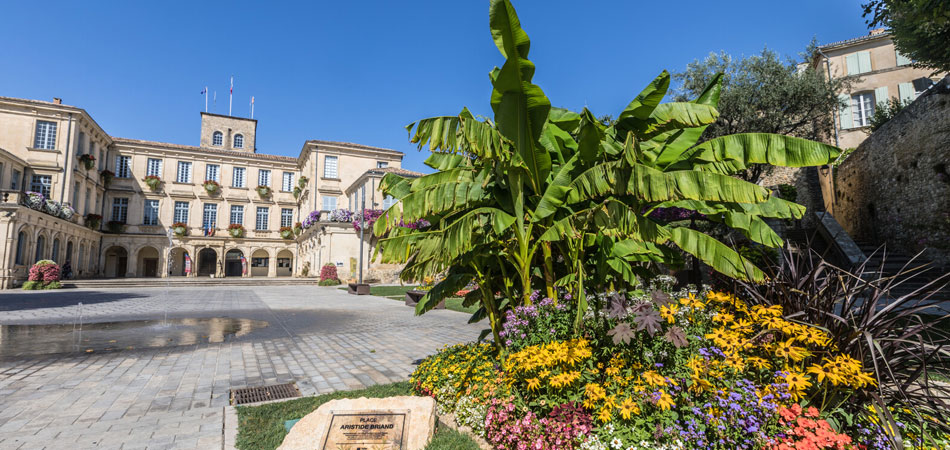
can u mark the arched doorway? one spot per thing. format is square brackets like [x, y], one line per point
[117, 262]
[176, 262]
[285, 263]
[233, 264]
[148, 262]
[207, 262]
[260, 261]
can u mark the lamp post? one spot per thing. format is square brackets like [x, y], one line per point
[362, 227]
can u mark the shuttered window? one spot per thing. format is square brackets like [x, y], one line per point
[902, 60]
[858, 63]
[906, 92]
[184, 172]
[45, 135]
[880, 96]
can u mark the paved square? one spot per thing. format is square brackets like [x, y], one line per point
[150, 395]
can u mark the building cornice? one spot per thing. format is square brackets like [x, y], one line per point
[56, 107]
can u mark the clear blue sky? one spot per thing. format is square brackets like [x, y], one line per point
[359, 71]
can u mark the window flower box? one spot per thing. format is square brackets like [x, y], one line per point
[52, 208]
[88, 161]
[116, 227]
[35, 200]
[180, 229]
[106, 176]
[212, 187]
[154, 182]
[298, 228]
[236, 230]
[67, 212]
[93, 221]
[263, 191]
[286, 232]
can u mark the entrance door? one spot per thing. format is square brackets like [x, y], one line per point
[207, 261]
[121, 265]
[232, 263]
[150, 268]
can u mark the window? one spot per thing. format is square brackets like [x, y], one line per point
[40, 250]
[209, 219]
[353, 201]
[263, 177]
[181, 212]
[283, 263]
[102, 159]
[858, 63]
[42, 184]
[15, 180]
[907, 92]
[862, 108]
[184, 172]
[261, 223]
[382, 164]
[329, 203]
[151, 213]
[120, 209]
[286, 217]
[212, 171]
[45, 135]
[154, 167]
[902, 60]
[75, 203]
[287, 182]
[388, 201]
[81, 143]
[54, 254]
[329, 167]
[259, 262]
[217, 139]
[92, 147]
[20, 247]
[123, 166]
[237, 214]
[238, 141]
[85, 204]
[238, 177]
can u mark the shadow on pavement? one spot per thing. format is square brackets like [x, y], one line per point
[18, 301]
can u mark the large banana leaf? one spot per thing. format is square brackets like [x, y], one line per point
[734, 153]
[643, 105]
[716, 254]
[678, 115]
[520, 107]
[665, 148]
[557, 190]
[446, 161]
[454, 281]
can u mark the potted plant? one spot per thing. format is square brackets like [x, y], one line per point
[236, 230]
[153, 182]
[93, 221]
[106, 176]
[297, 191]
[115, 226]
[212, 187]
[298, 228]
[88, 161]
[263, 191]
[52, 208]
[180, 228]
[302, 182]
[286, 232]
[67, 212]
[35, 200]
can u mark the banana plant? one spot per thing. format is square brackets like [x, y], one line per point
[543, 198]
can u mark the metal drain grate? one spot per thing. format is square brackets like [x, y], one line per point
[263, 393]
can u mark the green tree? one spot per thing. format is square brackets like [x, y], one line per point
[920, 28]
[542, 198]
[886, 111]
[765, 94]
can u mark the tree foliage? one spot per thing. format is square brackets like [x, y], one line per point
[920, 28]
[765, 94]
[543, 198]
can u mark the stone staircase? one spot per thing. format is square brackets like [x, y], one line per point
[896, 262]
[127, 283]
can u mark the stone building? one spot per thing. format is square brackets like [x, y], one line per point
[107, 205]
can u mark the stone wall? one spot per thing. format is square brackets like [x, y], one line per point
[895, 187]
[805, 180]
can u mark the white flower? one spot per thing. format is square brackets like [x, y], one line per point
[616, 443]
[609, 428]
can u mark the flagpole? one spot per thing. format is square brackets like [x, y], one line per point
[206, 98]
[252, 106]
[231, 96]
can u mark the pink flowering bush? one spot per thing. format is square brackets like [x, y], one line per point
[507, 429]
[44, 274]
[328, 276]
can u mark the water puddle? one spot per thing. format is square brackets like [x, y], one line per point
[21, 340]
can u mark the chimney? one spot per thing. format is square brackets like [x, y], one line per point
[57, 100]
[877, 31]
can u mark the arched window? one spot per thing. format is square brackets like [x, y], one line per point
[40, 251]
[217, 139]
[69, 251]
[238, 141]
[55, 255]
[82, 253]
[20, 247]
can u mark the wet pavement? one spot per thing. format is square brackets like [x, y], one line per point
[163, 360]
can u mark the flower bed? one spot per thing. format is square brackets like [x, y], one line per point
[692, 370]
[328, 275]
[45, 274]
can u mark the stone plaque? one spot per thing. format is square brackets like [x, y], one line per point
[366, 430]
[390, 423]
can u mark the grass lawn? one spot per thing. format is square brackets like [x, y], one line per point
[399, 293]
[262, 427]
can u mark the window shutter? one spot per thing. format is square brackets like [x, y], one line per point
[845, 112]
[906, 91]
[852, 62]
[880, 95]
[901, 59]
[864, 61]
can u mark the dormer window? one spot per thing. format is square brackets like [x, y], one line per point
[217, 139]
[238, 141]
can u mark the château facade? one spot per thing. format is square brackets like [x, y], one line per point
[119, 207]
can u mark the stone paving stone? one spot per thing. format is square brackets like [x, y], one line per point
[173, 397]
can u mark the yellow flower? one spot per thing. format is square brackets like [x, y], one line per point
[533, 384]
[628, 407]
[823, 372]
[669, 312]
[604, 415]
[654, 379]
[758, 363]
[665, 401]
[797, 381]
[594, 391]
